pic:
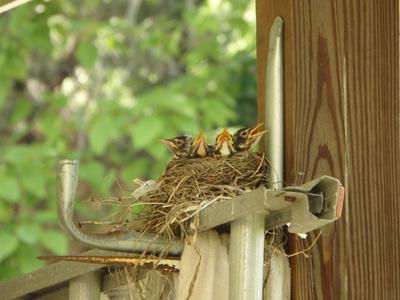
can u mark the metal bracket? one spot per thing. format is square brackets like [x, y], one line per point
[304, 208]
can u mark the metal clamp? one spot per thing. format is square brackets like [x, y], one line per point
[303, 208]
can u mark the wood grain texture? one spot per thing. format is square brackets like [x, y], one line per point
[342, 118]
[85, 287]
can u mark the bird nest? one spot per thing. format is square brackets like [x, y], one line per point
[189, 185]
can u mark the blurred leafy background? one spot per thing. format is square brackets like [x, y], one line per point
[101, 81]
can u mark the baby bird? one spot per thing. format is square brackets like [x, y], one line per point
[179, 146]
[224, 144]
[244, 139]
[199, 147]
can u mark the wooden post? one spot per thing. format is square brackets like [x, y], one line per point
[341, 73]
[85, 287]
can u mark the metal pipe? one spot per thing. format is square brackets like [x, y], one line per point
[246, 253]
[274, 149]
[67, 181]
[247, 234]
[274, 115]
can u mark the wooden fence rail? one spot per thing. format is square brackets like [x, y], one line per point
[71, 280]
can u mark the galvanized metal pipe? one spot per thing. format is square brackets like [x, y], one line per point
[274, 114]
[132, 241]
[274, 149]
[247, 234]
[246, 253]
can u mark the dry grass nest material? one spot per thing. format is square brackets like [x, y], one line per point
[189, 185]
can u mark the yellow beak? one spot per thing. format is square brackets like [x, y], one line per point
[224, 137]
[200, 144]
[256, 131]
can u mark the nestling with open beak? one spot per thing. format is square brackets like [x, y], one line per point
[199, 148]
[244, 139]
[224, 144]
[179, 146]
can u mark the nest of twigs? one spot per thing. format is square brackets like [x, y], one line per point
[189, 185]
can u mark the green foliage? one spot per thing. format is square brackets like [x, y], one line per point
[87, 54]
[9, 189]
[9, 244]
[102, 82]
[54, 241]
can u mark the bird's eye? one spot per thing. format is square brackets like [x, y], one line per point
[243, 133]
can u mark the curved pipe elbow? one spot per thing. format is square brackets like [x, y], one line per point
[67, 181]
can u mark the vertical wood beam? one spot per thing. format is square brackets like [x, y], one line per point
[341, 73]
[85, 287]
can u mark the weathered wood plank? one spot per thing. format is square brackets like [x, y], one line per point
[54, 274]
[148, 284]
[85, 287]
[342, 119]
[59, 294]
